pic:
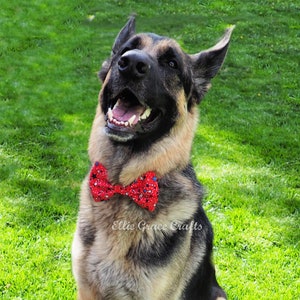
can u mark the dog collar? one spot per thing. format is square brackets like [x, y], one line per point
[143, 191]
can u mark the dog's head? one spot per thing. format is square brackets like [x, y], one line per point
[150, 84]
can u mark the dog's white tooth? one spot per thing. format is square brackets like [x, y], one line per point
[126, 123]
[146, 114]
[131, 120]
[110, 114]
[117, 103]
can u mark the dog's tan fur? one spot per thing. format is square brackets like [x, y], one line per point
[172, 152]
[101, 251]
[160, 285]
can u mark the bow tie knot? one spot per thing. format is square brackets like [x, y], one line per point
[143, 191]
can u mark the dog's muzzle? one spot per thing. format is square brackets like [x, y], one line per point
[130, 102]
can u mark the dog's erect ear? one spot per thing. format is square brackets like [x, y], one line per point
[126, 33]
[206, 64]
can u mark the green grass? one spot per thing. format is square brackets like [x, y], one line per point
[246, 150]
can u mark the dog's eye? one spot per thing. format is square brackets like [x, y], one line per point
[173, 64]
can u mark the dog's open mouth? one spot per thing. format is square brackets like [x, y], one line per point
[127, 112]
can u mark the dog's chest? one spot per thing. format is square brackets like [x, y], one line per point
[129, 250]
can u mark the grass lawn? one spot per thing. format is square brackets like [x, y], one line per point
[246, 149]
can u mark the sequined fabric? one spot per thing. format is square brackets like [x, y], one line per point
[143, 191]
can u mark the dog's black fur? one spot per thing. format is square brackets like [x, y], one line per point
[145, 121]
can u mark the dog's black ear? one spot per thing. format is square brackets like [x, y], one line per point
[126, 33]
[206, 64]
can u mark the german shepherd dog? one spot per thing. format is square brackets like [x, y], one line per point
[141, 231]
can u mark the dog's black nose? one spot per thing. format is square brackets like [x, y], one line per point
[134, 64]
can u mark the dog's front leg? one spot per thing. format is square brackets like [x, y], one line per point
[84, 290]
[87, 294]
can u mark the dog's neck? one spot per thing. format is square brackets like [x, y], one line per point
[124, 166]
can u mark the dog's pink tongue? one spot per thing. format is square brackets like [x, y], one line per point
[121, 112]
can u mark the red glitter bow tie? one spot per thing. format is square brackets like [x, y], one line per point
[143, 191]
